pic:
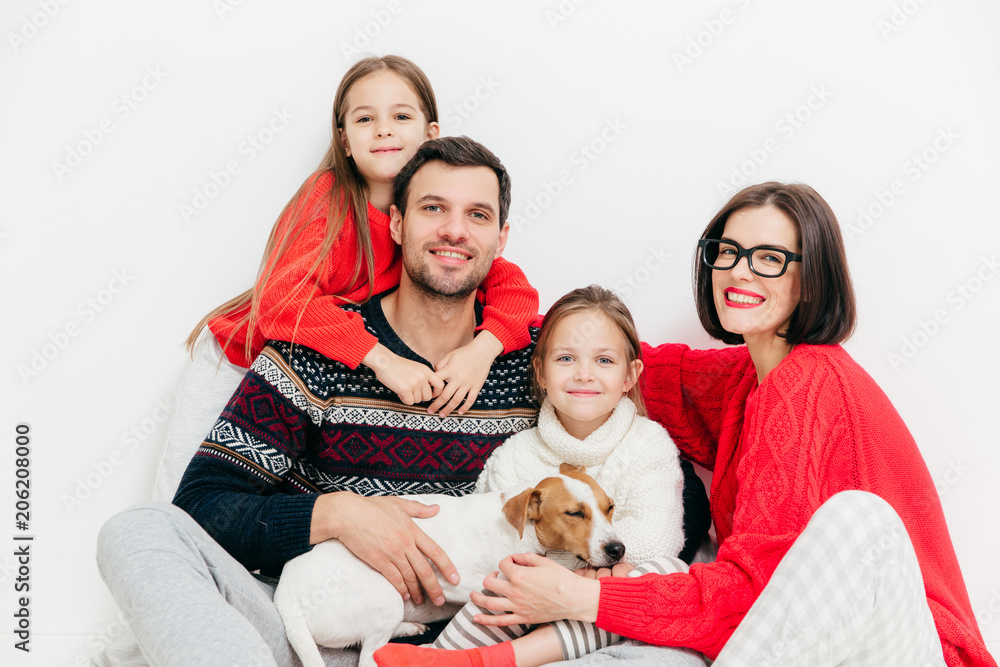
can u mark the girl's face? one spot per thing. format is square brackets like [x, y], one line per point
[383, 126]
[585, 371]
[757, 307]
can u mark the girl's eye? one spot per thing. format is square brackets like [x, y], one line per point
[365, 119]
[605, 360]
[402, 116]
[728, 251]
[564, 357]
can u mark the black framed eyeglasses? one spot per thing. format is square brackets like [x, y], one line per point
[765, 261]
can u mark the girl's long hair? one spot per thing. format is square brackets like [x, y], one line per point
[349, 192]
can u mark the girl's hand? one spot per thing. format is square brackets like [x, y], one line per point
[618, 570]
[464, 372]
[537, 590]
[411, 380]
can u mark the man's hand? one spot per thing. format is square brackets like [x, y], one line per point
[381, 532]
[411, 380]
[465, 371]
[537, 590]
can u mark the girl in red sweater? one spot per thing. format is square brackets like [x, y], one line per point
[331, 245]
[833, 548]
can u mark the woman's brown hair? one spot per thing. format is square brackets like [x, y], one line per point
[348, 193]
[596, 298]
[826, 314]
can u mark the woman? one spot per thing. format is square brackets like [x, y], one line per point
[804, 575]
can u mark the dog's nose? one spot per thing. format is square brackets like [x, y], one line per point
[614, 550]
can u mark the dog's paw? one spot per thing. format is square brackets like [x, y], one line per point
[407, 629]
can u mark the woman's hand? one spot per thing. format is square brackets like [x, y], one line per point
[537, 590]
[464, 372]
[412, 381]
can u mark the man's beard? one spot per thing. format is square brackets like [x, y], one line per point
[444, 286]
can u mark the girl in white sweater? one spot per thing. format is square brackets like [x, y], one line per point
[586, 370]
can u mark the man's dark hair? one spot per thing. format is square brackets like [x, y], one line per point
[454, 152]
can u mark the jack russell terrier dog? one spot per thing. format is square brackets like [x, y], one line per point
[330, 597]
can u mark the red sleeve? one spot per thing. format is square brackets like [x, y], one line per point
[510, 304]
[309, 313]
[694, 394]
[774, 501]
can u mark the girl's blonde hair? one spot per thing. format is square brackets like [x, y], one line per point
[348, 193]
[596, 298]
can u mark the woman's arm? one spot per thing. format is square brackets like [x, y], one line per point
[692, 393]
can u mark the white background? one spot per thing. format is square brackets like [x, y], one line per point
[672, 102]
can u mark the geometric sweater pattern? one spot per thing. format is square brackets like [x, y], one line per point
[301, 424]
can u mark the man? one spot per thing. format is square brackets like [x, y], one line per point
[305, 443]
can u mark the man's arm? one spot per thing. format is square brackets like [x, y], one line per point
[231, 487]
[380, 531]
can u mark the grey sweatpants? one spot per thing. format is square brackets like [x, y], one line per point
[188, 602]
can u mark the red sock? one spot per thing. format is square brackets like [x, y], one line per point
[407, 655]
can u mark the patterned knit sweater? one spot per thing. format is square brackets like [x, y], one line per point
[325, 325]
[631, 457]
[301, 424]
[816, 425]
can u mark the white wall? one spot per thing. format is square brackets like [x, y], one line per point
[845, 96]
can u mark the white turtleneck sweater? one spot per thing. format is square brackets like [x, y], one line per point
[631, 457]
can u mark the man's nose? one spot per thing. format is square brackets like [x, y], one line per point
[454, 227]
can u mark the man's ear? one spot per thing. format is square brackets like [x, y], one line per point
[396, 224]
[343, 141]
[504, 231]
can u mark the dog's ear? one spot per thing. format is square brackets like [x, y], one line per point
[522, 508]
[566, 467]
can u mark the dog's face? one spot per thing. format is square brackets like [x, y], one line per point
[570, 512]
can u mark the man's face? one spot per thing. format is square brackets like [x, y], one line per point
[451, 233]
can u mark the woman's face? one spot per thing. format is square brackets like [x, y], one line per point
[758, 308]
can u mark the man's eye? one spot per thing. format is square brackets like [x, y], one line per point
[433, 208]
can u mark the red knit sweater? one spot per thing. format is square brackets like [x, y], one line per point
[510, 303]
[816, 425]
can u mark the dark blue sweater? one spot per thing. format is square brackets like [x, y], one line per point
[301, 424]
